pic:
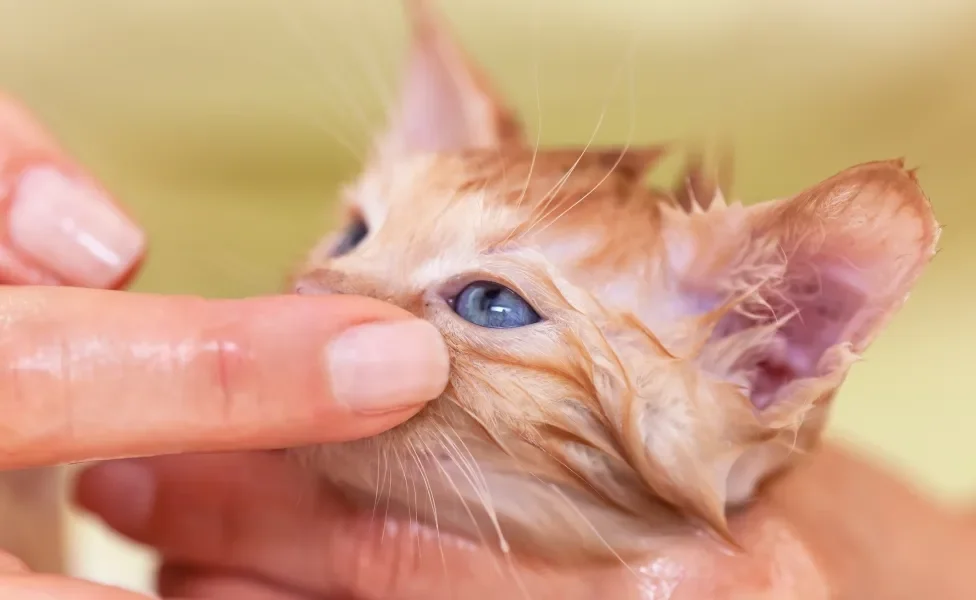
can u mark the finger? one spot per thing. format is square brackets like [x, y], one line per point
[255, 513]
[57, 225]
[48, 587]
[92, 374]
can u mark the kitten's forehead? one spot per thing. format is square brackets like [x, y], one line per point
[496, 190]
[436, 214]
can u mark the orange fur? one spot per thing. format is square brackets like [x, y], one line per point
[689, 348]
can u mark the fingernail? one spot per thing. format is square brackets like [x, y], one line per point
[72, 229]
[387, 366]
[122, 492]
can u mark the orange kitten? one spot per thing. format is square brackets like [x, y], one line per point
[627, 363]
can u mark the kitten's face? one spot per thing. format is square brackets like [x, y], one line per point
[625, 363]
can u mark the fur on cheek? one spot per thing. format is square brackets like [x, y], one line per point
[680, 428]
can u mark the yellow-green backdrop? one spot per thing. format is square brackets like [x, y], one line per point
[227, 124]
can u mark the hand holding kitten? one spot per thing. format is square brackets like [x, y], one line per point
[238, 526]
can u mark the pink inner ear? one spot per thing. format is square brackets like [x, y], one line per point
[432, 114]
[827, 308]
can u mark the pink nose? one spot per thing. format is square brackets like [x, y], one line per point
[321, 282]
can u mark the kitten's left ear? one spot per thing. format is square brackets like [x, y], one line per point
[446, 102]
[777, 301]
[823, 269]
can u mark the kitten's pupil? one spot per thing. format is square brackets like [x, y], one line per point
[489, 304]
[354, 234]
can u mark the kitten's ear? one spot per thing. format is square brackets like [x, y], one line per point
[445, 102]
[778, 301]
[791, 281]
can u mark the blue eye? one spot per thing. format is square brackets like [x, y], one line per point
[492, 305]
[354, 234]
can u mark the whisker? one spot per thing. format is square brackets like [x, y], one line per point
[589, 523]
[430, 497]
[628, 60]
[298, 28]
[386, 512]
[464, 503]
[375, 76]
[378, 483]
[536, 60]
[553, 192]
[472, 476]
[630, 136]
[406, 485]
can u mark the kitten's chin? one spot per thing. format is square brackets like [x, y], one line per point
[508, 511]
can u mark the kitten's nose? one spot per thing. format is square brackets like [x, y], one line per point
[321, 282]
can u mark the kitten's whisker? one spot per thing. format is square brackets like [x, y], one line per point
[473, 467]
[553, 192]
[478, 484]
[358, 154]
[464, 446]
[630, 136]
[430, 497]
[584, 196]
[572, 505]
[379, 482]
[386, 512]
[367, 60]
[470, 474]
[464, 503]
[353, 105]
[406, 489]
[538, 107]
[416, 501]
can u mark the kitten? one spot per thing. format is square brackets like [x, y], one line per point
[627, 363]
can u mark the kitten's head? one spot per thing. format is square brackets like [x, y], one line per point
[626, 362]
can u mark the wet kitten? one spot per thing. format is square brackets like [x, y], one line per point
[627, 363]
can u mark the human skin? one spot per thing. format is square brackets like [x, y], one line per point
[98, 374]
[250, 526]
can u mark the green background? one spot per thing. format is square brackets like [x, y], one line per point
[227, 124]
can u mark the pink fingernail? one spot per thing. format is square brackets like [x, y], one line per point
[72, 229]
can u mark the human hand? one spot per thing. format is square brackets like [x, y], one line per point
[253, 526]
[90, 374]
[87, 373]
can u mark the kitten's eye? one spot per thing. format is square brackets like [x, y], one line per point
[492, 305]
[355, 233]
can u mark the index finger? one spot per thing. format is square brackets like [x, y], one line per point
[87, 374]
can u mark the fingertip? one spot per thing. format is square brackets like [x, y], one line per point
[387, 366]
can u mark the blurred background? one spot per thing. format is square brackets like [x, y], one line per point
[226, 126]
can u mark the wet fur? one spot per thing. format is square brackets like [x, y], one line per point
[690, 347]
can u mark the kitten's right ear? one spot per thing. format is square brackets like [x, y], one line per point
[445, 101]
